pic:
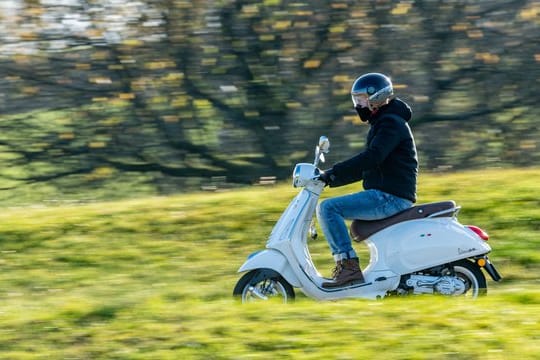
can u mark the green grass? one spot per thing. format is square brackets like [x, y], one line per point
[152, 278]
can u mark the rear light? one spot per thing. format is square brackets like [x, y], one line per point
[481, 233]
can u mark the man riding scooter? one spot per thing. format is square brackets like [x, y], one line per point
[388, 167]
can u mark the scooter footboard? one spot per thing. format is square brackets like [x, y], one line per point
[271, 259]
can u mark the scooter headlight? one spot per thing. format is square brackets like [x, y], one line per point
[303, 173]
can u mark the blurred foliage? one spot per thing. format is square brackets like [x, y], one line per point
[184, 93]
[152, 278]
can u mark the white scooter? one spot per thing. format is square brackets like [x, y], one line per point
[422, 250]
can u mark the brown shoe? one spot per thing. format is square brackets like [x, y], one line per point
[347, 271]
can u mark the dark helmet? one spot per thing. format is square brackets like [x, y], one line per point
[377, 88]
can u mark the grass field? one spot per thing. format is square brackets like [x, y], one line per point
[152, 278]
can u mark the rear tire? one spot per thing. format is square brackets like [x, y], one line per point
[472, 276]
[263, 285]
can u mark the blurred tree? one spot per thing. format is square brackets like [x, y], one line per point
[188, 90]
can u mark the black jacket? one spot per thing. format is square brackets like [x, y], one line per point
[389, 162]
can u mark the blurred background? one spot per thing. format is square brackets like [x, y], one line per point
[109, 98]
[116, 99]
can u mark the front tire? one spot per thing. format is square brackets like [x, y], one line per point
[473, 278]
[263, 285]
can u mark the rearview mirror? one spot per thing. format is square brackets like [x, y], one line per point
[321, 149]
[324, 144]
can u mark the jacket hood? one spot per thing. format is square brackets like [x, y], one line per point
[395, 106]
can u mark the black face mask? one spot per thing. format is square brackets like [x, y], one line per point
[363, 112]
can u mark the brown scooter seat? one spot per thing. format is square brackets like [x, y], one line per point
[362, 229]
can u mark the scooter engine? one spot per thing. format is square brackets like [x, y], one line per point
[449, 285]
[444, 285]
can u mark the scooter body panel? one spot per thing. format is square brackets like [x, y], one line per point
[423, 243]
[271, 259]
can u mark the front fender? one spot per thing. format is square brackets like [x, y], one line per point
[271, 259]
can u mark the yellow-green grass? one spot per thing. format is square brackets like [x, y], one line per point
[152, 278]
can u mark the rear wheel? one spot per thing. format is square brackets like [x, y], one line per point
[263, 285]
[472, 277]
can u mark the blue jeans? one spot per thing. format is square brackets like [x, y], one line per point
[364, 205]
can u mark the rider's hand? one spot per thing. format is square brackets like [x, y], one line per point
[327, 176]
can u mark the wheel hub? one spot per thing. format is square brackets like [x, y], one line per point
[450, 285]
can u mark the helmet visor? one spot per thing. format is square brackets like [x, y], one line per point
[360, 99]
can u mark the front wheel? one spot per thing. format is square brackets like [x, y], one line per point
[263, 284]
[472, 277]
